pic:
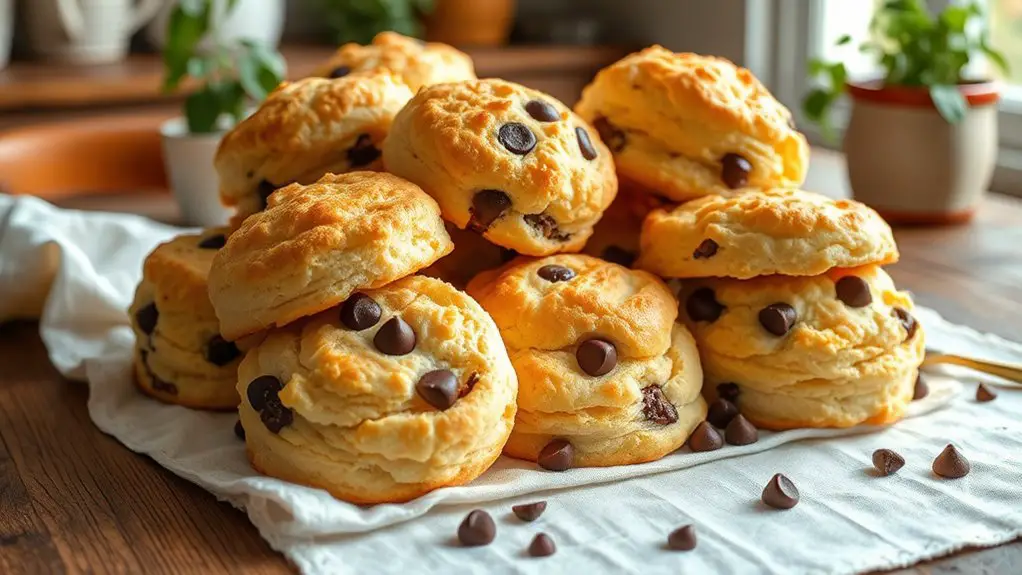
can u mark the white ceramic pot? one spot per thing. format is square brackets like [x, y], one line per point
[6, 31]
[910, 164]
[193, 179]
[261, 20]
[85, 31]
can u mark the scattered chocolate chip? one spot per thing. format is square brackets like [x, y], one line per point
[778, 318]
[610, 134]
[682, 539]
[740, 431]
[984, 394]
[239, 430]
[438, 388]
[340, 72]
[487, 207]
[887, 462]
[261, 389]
[146, 318]
[780, 493]
[556, 455]
[161, 385]
[656, 407]
[707, 249]
[951, 464]
[516, 138]
[360, 312]
[728, 391]
[396, 337]
[477, 529]
[735, 171]
[275, 416]
[705, 438]
[529, 511]
[542, 111]
[265, 190]
[702, 305]
[596, 357]
[853, 291]
[554, 273]
[907, 321]
[619, 256]
[721, 412]
[220, 352]
[542, 546]
[585, 144]
[546, 226]
[213, 242]
[921, 390]
[363, 152]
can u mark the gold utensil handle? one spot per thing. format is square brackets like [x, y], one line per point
[1006, 370]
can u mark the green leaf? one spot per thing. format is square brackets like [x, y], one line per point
[260, 71]
[954, 18]
[202, 109]
[995, 57]
[199, 67]
[232, 100]
[816, 104]
[949, 101]
[184, 30]
[846, 39]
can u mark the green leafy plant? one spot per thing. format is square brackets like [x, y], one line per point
[360, 20]
[915, 49]
[230, 73]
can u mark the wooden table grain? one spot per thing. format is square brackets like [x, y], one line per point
[73, 500]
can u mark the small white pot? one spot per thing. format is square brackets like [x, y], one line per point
[261, 20]
[910, 164]
[6, 31]
[193, 179]
[85, 31]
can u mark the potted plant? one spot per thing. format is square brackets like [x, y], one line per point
[261, 20]
[360, 20]
[921, 141]
[228, 75]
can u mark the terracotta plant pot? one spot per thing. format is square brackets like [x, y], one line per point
[910, 164]
[471, 22]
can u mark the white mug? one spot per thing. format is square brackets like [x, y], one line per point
[85, 31]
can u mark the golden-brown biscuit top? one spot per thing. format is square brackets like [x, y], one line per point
[417, 63]
[178, 269]
[632, 309]
[778, 231]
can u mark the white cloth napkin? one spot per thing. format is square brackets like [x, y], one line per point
[603, 520]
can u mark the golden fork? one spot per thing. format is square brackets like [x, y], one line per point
[1011, 372]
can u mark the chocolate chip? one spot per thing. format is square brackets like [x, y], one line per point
[220, 352]
[261, 389]
[951, 464]
[596, 357]
[516, 138]
[707, 249]
[360, 312]
[542, 111]
[682, 539]
[363, 152]
[656, 407]
[705, 438]
[619, 256]
[984, 394]
[907, 321]
[735, 171]
[275, 416]
[702, 305]
[395, 337]
[477, 529]
[721, 412]
[213, 242]
[529, 511]
[487, 207]
[265, 190]
[740, 431]
[610, 134]
[585, 144]
[162, 385]
[780, 493]
[557, 455]
[554, 273]
[920, 390]
[887, 462]
[853, 291]
[778, 318]
[546, 226]
[728, 391]
[340, 72]
[438, 388]
[542, 546]
[146, 318]
[239, 430]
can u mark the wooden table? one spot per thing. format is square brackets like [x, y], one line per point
[74, 500]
